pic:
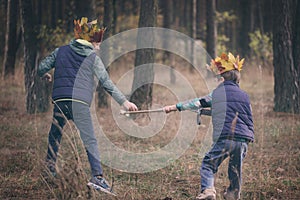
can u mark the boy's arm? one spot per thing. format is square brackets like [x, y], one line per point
[109, 86]
[47, 63]
[193, 104]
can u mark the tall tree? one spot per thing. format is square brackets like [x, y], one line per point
[211, 34]
[200, 19]
[144, 76]
[267, 15]
[167, 12]
[115, 16]
[53, 13]
[3, 15]
[246, 24]
[191, 28]
[286, 61]
[108, 23]
[36, 94]
[84, 9]
[10, 39]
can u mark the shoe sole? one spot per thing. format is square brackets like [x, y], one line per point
[98, 188]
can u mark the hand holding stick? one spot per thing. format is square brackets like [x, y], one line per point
[127, 113]
[170, 108]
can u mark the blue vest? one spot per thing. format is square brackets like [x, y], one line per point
[229, 104]
[73, 76]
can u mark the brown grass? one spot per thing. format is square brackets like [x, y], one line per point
[271, 168]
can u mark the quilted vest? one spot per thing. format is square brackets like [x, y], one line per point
[231, 113]
[73, 76]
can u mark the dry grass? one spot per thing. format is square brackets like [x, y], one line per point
[271, 168]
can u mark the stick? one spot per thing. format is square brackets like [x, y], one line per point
[124, 112]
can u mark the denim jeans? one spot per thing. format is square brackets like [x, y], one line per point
[80, 114]
[236, 151]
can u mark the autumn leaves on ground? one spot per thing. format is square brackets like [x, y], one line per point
[270, 171]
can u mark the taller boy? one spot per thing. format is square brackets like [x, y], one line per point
[75, 66]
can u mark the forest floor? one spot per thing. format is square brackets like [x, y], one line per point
[271, 168]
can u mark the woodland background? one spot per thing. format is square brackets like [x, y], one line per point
[265, 32]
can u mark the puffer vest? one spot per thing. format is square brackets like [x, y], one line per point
[231, 113]
[73, 75]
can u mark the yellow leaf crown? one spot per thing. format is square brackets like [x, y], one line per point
[88, 30]
[226, 63]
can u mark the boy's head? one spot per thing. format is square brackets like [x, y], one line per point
[227, 67]
[232, 75]
[88, 31]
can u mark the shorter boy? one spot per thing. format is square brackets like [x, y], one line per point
[232, 126]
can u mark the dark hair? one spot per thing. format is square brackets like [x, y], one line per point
[232, 75]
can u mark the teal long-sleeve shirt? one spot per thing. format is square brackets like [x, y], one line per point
[195, 104]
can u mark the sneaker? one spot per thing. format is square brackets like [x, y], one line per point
[207, 194]
[231, 195]
[99, 183]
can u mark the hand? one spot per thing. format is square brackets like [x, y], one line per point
[48, 77]
[169, 109]
[130, 106]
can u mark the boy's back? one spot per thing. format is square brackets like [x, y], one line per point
[231, 113]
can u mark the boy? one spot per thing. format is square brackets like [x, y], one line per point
[75, 66]
[232, 126]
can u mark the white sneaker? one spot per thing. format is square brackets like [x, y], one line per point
[207, 194]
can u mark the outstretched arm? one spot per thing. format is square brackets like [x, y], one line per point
[192, 104]
[110, 87]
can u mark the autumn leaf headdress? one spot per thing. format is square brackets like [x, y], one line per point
[88, 30]
[226, 63]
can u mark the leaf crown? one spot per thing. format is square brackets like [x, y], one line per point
[226, 63]
[89, 31]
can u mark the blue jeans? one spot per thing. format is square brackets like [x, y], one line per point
[80, 114]
[236, 151]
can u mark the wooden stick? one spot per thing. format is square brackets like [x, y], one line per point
[124, 112]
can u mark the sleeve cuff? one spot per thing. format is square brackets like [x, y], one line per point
[179, 106]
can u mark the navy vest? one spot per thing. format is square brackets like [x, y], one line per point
[73, 75]
[229, 102]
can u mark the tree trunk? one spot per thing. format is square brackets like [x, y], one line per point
[144, 76]
[107, 22]
[192, 31]
[84, 9]
[267, 15]
[246, 24]
[115, 17]
[211, 35]
[200, 19]
[36, 91]
[53, 13]
[10, 39]
[286, 25]
[167, 13]
[167, 20]
[3, 16]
